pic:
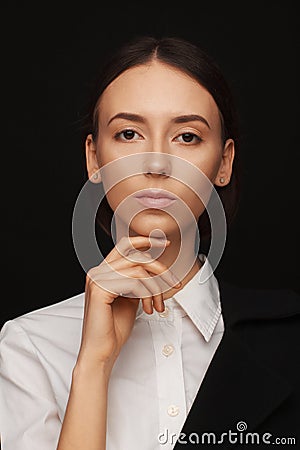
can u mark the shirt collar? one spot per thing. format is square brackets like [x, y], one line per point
[197, 299]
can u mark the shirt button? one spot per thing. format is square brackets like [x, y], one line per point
[173, 410]
[165, 313]
[167, 350]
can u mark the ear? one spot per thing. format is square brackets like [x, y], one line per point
[225, 169]
[92, 164]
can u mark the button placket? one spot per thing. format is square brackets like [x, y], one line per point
[166, 334]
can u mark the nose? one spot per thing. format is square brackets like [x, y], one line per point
[157, 164]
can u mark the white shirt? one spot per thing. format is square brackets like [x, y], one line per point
[152, 386]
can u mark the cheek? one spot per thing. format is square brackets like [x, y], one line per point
[115, 196]
[211, 164]
[105, 149]
[195, 202]
[197, 189]
[121, 193]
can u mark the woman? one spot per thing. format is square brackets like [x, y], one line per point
[156, 353]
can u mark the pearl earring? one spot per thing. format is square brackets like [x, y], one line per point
[95, 176]
[222, 180]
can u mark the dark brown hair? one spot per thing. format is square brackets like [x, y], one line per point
[192, 60]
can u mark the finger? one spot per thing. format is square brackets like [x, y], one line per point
[133, 271]
[151, 265]
[157, 297]
[127, 244]
[145, 287]
[158, 302]
[150, 283]
[154, 267]
[125, 262]
[147, 305]
[126, 287]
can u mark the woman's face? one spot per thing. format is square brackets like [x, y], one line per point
[160, 109]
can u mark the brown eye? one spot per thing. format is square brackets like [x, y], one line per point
[128, 134]
[188, 137]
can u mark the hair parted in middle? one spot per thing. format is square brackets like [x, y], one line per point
[192, 60]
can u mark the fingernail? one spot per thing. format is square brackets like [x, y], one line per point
[165, 241]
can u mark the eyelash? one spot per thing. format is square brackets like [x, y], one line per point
[118, 135]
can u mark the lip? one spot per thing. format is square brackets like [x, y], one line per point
[155, 198]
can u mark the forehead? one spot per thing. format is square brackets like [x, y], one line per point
[157, 89]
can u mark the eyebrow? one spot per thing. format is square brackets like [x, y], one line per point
[140, 119]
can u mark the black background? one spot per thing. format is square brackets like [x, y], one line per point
[50, 56]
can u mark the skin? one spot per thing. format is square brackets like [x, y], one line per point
[158, 93]
[148, 90]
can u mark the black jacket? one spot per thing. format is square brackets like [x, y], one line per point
[253, 380]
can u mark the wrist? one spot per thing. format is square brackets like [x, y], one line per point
[84, 369]
[87, 366]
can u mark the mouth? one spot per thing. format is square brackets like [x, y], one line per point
[155, 198]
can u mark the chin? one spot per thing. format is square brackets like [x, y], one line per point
[148, 220]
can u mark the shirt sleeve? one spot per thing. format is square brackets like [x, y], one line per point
[29, 417]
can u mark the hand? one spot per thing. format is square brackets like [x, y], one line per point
[109, 317]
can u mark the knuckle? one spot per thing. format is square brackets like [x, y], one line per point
[131, 254]
[139, 271]
[125, 241]
[147, 256]
[105, 265]
[140, 257]
[91, 273]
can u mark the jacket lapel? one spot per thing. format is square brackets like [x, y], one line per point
[236, 386]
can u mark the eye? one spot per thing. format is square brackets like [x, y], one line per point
[127, 135]
[188, 138]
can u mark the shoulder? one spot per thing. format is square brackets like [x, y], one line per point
[52, 323]
[267, 322]
[245, 304]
